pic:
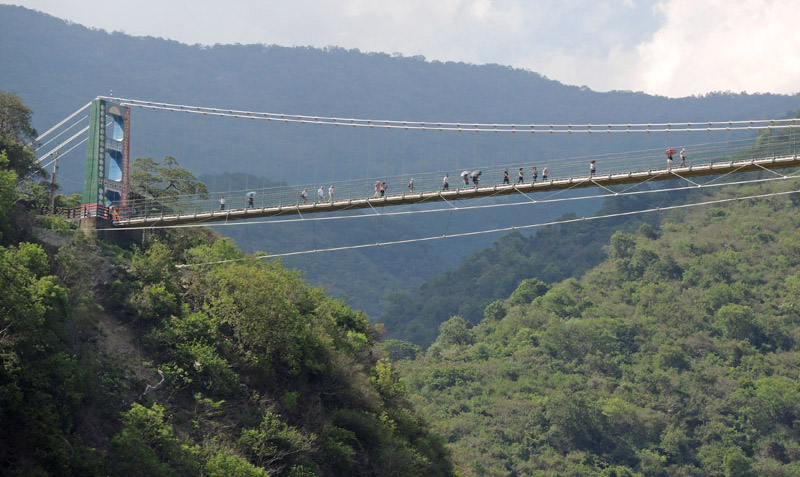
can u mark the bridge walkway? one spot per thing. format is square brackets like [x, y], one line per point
[559, 184]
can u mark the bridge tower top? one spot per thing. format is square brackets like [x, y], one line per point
[106, 181]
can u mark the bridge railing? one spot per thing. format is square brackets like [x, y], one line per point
[284, 195]
[90, 210]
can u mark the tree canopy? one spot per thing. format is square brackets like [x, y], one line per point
[165, 179]
[17, 135]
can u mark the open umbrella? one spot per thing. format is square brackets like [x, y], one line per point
[464, 173]
[670, 151]
[250, 194]
[476, 173]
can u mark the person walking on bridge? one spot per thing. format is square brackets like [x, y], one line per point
[445, 183]
[535, 174]
[476, 177]
[544, 173]
[411, 185]
[304, 195]
[331, 190]
[683, 157]
[506, 178]
[321, 194]
[592, 168]
[222, 203]
[520, 176]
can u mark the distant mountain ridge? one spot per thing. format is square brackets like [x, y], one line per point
[57, 64]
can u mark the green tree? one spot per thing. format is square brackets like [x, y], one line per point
[163, 179]
[528, 290]
[257, 305]
[622, 245]
[40, 381]
[275, 444]
[8, 181]
[398, 350]
[17, 134]
[147, 445]
[737, 464]
[157, 284]
[224, 463]
[455, 331]
[164, 182]
[738, 322]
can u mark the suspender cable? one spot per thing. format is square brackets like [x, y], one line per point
[44, 134]
[546, 200]
[507, 229]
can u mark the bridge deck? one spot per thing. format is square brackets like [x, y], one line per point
[606, 180]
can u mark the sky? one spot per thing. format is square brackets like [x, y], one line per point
[672, 48]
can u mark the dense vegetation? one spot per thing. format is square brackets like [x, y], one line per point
[115, 361]
[551, 254]
[678, 355]
[671, 351]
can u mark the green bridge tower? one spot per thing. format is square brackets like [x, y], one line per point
[106, 182]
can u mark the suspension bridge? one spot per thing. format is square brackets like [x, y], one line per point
[108, 194]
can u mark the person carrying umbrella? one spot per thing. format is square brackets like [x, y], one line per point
[476, 176]
[670, 152]
[465, 176]
[250, 196]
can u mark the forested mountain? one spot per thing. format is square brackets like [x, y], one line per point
[551, 254]
[132, 358]
[677, 355]
[56, 67]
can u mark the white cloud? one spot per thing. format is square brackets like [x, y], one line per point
[708, 46]
[699, 46]
[667, 47]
